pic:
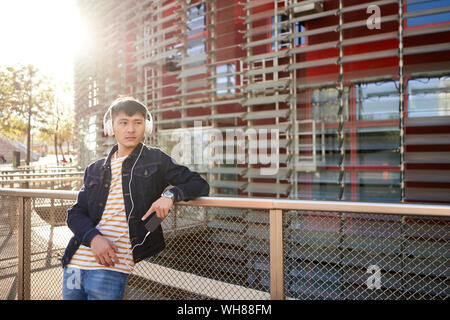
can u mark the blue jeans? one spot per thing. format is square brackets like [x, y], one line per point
[79, 284]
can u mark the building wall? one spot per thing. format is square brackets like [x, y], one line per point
[8, 147]
[362, 110]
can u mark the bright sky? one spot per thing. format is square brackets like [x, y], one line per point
[45, 33]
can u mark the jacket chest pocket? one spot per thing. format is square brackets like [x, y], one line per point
[144, 178]
[145, 172]
[93, 182]
[93, 187]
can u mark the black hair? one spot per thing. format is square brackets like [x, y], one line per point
[129, 105]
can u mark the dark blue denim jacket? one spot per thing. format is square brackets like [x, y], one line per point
[152, 173]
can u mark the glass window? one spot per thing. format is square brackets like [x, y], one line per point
[92, 92]
[371, 186]
[225, 78]
[196, 25]
[379, 186]
[195, 19]
[429, 97]
[147, 41]
[326, 145]
[195, 47]
[379, 138]
[321, 133]
[284, 29]
[228, 177]
[324, 185]
[325, 191]
[377, 101]
[372, 147]
[173, 60]
[419, 5]
[91, 137]
[325, 104]
[319, 176]
[379, 157]
[378, 146]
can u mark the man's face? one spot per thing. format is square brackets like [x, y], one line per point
[129, 130]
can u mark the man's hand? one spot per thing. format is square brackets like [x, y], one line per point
[104, 251]
[161, 206]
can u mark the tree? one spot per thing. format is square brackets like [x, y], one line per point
[59, 126]
[26, 98]
[11, 126]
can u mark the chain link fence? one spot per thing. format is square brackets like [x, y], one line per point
[33, 245]
[218, 252]
[8, 248]
[212, 253]
[330, 255]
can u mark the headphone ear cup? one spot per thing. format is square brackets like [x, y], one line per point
[108, 128]
[148, 127]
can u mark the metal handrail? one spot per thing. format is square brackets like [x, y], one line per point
[20, 181]
[269, 204]
[53, 174]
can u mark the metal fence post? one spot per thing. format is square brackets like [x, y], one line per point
[24, 252]
[276, 255]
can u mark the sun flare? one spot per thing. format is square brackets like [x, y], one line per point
[45, 33]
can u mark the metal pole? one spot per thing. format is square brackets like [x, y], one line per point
[275, 78]
[402, 100]
[24, 252]
[276, 255]
[293, 101]
[340, 114]
[249, 79]
[213, 82]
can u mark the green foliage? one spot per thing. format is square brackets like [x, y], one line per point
[28, 105]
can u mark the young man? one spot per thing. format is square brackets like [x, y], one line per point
[117, 198]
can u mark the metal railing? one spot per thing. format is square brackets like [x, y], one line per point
[246, 248]
[43, 180]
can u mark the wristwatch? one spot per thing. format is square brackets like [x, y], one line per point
[168, 194]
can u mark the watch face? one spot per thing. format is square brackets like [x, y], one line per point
[168, 193]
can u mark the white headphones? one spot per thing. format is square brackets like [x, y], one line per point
[108, 126]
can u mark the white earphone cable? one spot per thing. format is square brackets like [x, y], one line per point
[131, 211]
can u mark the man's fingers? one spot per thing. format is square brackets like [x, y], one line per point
[164, 213]
[161, 206]
[104, 251]
[113, 257]
[114, 247]
[149, 212]
[102, 261]
[108, 259]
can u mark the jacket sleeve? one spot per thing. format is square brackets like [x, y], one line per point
[187, 184]
[78, 219]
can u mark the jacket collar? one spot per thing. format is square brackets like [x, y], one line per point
[133, 154]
